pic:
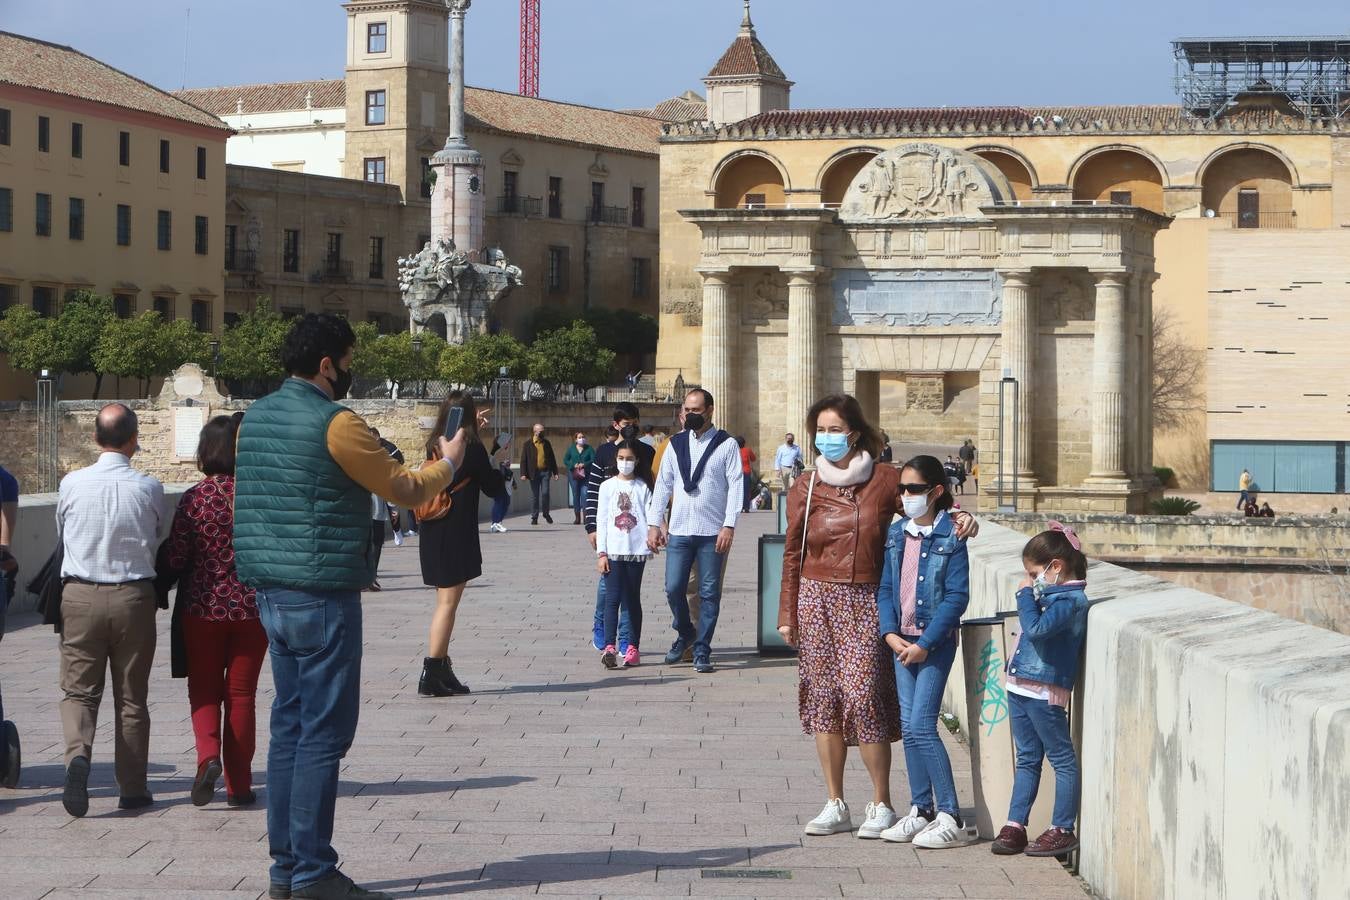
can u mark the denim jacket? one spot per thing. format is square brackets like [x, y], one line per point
[1054, 627]
[943, 591]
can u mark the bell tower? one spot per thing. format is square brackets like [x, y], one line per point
[397, 72]
[746, 81]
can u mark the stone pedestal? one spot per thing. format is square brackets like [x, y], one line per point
[802, 364]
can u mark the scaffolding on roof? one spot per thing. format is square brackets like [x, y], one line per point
[1309, 74]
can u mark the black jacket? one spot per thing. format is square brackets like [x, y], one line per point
[529, 466]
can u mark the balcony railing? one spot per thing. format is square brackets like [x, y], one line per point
[516, 205]
[241, 261]
[1258, 219]
[336, 269]
[609, 215]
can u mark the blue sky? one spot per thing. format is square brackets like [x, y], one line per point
[623, 53]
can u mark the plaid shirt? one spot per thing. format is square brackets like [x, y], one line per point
[110, 517]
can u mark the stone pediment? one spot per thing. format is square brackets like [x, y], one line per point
[922, 182]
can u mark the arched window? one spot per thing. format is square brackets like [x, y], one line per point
[1013, 169]
[839, 174]
[751, 181]
[1121, 176]
[1250, 187]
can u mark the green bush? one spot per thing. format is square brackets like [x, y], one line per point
[1174, 506]
[1166, 477]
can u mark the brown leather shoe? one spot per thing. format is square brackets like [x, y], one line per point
[1053, 842]
[1010, 841]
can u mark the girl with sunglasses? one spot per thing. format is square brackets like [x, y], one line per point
[925, 588]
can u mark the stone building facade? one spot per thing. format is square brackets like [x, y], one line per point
[572, 192]
[106, 184]
[1251, 209]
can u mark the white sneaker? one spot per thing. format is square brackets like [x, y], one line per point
[903, 831]
[879, 818]
[945, 832]
[498, 527]
[398, 539]
[833, 819]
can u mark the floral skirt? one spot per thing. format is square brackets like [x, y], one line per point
[847, 679]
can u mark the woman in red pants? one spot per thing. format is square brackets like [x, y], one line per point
[223, 640]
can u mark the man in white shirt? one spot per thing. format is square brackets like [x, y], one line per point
[109, 517]
[787, 459]
[701, 480]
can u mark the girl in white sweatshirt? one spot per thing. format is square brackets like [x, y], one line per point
[621, 551]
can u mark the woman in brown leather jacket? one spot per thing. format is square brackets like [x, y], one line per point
[828, 608]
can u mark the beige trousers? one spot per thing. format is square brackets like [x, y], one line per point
[108, 628]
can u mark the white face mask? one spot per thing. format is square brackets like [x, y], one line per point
[915, 506]
[627, 466]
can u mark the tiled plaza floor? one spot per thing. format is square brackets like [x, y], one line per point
[555, 777]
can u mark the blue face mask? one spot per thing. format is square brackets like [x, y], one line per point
[833, 447]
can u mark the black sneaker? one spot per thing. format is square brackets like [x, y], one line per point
[248, 798]
[548, 518]
[140, 802]
[338, 887]
[75, 797]
[9, 778]
[278, 892]
[677, 651]
[703, 665]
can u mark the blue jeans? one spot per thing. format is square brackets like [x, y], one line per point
[315, 645]
[578, 497]
[500, 506]
[623, 589]
[930, 770]
[681, 554]
[1041, 730]
[625, 631]
[539, 487]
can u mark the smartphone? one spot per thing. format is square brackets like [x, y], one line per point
[453, 421]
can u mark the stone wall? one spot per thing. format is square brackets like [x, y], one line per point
[405, 422]
[1214, 737]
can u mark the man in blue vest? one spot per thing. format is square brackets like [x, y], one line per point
[700, 479]
[305, 469]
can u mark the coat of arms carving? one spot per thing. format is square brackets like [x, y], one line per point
[923, 182]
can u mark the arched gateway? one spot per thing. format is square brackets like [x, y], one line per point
[928, 293]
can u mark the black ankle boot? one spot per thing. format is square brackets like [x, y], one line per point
[456, 686]
[433, 681]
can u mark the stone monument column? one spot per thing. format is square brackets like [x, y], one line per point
[719, 344]
[803, 363]
[458, 205]
[1144, 419]
[1019, 343]
[1109, 378]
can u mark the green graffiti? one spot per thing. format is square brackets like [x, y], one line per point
[994, 702]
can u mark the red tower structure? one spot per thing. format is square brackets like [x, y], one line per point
[529, 48]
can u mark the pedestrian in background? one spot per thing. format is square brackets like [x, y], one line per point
[109, 517]
[539, 466]
[577, 461]
[787, 460]
[748, 459]
[305, 469]
[223, 642]
[400, 520]
[501, 504]
[1244, 489]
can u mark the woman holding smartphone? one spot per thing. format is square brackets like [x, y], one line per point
[448, 546]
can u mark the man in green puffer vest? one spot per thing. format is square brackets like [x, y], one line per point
[304, 472]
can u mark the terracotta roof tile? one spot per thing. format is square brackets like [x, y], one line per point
[276, 97]
[746, 56]
[1120, 119]
[687, 107]
[57, 69]
[487, 110]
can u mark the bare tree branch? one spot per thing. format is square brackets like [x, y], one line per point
[1178, 368]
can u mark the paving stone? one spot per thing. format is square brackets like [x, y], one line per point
[555, 776]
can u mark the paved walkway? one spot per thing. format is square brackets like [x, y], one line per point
[555, 777]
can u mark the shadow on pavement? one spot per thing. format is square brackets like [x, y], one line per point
[403, 788]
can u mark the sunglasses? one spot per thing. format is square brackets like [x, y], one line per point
[916, 488]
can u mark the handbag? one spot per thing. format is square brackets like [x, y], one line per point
[48, 586]
[439, 506]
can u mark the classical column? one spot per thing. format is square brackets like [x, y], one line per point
[458, 204]
[1019, 343]
[802, 363]
[1109, 378]
[1144, 299]
[719, 344]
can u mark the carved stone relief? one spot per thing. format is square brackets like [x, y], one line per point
[1063, 299]
[763, 297]
[923, 182]
[917, 297]
[690, 310]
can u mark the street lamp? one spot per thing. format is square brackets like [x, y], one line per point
[215, 358]
[1006, 383]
